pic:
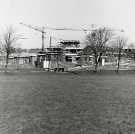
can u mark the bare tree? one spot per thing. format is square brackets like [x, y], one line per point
[8, 42]
[119, 45]
[96, 43]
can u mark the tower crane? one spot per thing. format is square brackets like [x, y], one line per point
[85, 30]
[41, 30]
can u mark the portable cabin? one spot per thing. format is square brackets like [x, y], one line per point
[50, 59]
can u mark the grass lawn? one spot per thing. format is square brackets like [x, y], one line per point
[49, 103]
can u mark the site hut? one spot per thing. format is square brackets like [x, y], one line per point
[111, 58]
[85, 59]
[51, 59]
[24, 58]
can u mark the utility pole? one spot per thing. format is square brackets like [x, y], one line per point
[50, 41]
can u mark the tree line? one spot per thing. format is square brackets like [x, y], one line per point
[100, 40]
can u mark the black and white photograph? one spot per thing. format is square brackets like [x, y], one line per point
[67, 67]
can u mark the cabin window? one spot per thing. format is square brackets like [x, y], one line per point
[77, 58]
[73, 50]
[48, 57]
[68, 58]
[90, 58]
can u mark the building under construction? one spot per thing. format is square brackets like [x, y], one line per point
[69, 54]
[59, 58]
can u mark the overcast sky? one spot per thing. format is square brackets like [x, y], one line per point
[66, 13]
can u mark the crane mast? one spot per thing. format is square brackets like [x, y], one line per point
[43, 38]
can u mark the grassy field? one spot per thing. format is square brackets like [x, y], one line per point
[49, 103]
